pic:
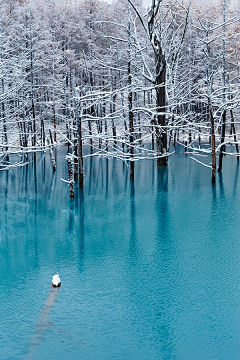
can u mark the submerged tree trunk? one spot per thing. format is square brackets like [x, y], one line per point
[53, 84]
[223, 127]
[70, 163]
[3, 113]
[42, 132]
[209, 89]
[234, 133]
[222, 148]
[80, 156]
[122, 99]
[90, 134]
[213, 145]
[4, 119]
[51, 152]
[32, 91]
[130, 113]
[160, 83]
[161, 133]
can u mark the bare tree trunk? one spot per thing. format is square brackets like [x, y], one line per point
[32, 90]
[234, 133]
[122, 97]
[213, 144]
[70, 164]
[80, 156]
[2, 83]
[160, 82]
[223, 127]
[130, 113]
[79, 141]
[4, 119]
[54, 105]
[161, 133]
[222, 148]
[113, 109]
[42, 132]
[51, 152]
[90, 134]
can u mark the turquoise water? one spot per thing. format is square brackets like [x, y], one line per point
[149, 270]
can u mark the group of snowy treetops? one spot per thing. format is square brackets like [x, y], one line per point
[126, 81]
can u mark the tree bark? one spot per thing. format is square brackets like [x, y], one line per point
[70, 164]
[130, 113]
[234, 133]
[213, 145]
[160, 82]
[80, 157]
[161, 133]
[223, 129]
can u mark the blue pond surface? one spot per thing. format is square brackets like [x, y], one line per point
[149, 270]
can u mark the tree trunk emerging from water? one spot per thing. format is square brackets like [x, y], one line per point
[160, 82]
[161, 133]
[233, 129]
[213, 145]
[70, 163]
[130, 112]
[222, 148]
[154, 34]
[223, 127]
[80, 157]
[32, 90]
[51, 152]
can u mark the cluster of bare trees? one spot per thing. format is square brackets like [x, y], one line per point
[129, 82]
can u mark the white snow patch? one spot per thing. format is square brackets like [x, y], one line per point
[56, 280]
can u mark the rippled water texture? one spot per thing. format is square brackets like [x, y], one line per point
[149, 270]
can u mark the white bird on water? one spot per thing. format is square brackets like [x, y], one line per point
[56, 281]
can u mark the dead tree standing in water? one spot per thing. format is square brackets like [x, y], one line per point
[79, 141]
[223, 125]
[161, 58]
[130, 112]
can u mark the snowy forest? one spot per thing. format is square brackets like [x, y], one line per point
[127, 81]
